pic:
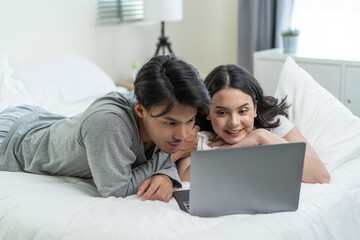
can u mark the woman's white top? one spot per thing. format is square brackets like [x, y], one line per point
[205, 137]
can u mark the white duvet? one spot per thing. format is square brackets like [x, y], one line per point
[48, 207]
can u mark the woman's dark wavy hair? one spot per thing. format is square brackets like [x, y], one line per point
[234, 76]
[166, 78]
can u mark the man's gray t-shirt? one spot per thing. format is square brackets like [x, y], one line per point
[103, 142]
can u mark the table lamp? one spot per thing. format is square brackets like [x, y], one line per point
[163, 11]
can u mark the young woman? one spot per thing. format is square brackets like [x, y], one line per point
[123, 141]
[240, 115]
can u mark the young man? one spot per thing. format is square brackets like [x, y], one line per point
[123, 142]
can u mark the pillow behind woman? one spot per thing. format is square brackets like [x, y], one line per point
[330, 127]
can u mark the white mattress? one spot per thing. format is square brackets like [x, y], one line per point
[48, 207]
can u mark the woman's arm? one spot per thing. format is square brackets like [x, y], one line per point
[314, 170]
[255, 137]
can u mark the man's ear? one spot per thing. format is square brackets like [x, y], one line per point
[139, 109]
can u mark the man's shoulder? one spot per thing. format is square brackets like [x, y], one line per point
[109, 112]
[117, 100]
[113, 103]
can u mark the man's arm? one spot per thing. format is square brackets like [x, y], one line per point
[108, 140]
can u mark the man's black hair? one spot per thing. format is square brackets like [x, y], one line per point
[166, 79]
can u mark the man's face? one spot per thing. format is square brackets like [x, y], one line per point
[167, 131]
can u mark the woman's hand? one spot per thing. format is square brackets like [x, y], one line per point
[188, 146]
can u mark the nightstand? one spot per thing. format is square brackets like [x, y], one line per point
[340, 76]
[129, 84]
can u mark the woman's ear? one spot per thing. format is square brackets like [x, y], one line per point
[208, 116]
[139, 109]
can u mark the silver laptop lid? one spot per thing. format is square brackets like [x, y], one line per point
[249, 180]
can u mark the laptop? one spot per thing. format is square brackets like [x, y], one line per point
[244, 180]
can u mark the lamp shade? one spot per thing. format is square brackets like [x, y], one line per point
[163, 10]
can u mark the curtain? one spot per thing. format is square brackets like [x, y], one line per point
[260, 23]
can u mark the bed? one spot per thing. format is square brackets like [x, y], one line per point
[54, 207]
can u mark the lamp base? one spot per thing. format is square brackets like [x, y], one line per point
[163, 42]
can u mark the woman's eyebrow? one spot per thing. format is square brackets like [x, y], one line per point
[241, 106]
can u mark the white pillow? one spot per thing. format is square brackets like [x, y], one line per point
[331, 129]
[4, 63]
[15, 93]
[55, 81]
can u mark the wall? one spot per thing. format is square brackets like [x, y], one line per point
[40, 29]
[207, 36]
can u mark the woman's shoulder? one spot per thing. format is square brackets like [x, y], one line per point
[207, 134]
[204, 138]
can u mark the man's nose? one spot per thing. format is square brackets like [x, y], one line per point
[180, 133]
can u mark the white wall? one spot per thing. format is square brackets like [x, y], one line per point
[207, 36]
[40, 29]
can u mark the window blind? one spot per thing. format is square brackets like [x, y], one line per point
[117, 11]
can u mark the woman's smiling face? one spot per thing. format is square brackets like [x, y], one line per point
[232, 114]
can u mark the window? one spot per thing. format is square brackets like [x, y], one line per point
[117, 11]
[328, 27]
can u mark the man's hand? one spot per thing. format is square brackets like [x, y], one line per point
[158, 187]
[188, 146]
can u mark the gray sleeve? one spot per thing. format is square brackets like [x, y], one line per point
[168, 168]
[108, 139]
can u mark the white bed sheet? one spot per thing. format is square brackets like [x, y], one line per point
[49, 207]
